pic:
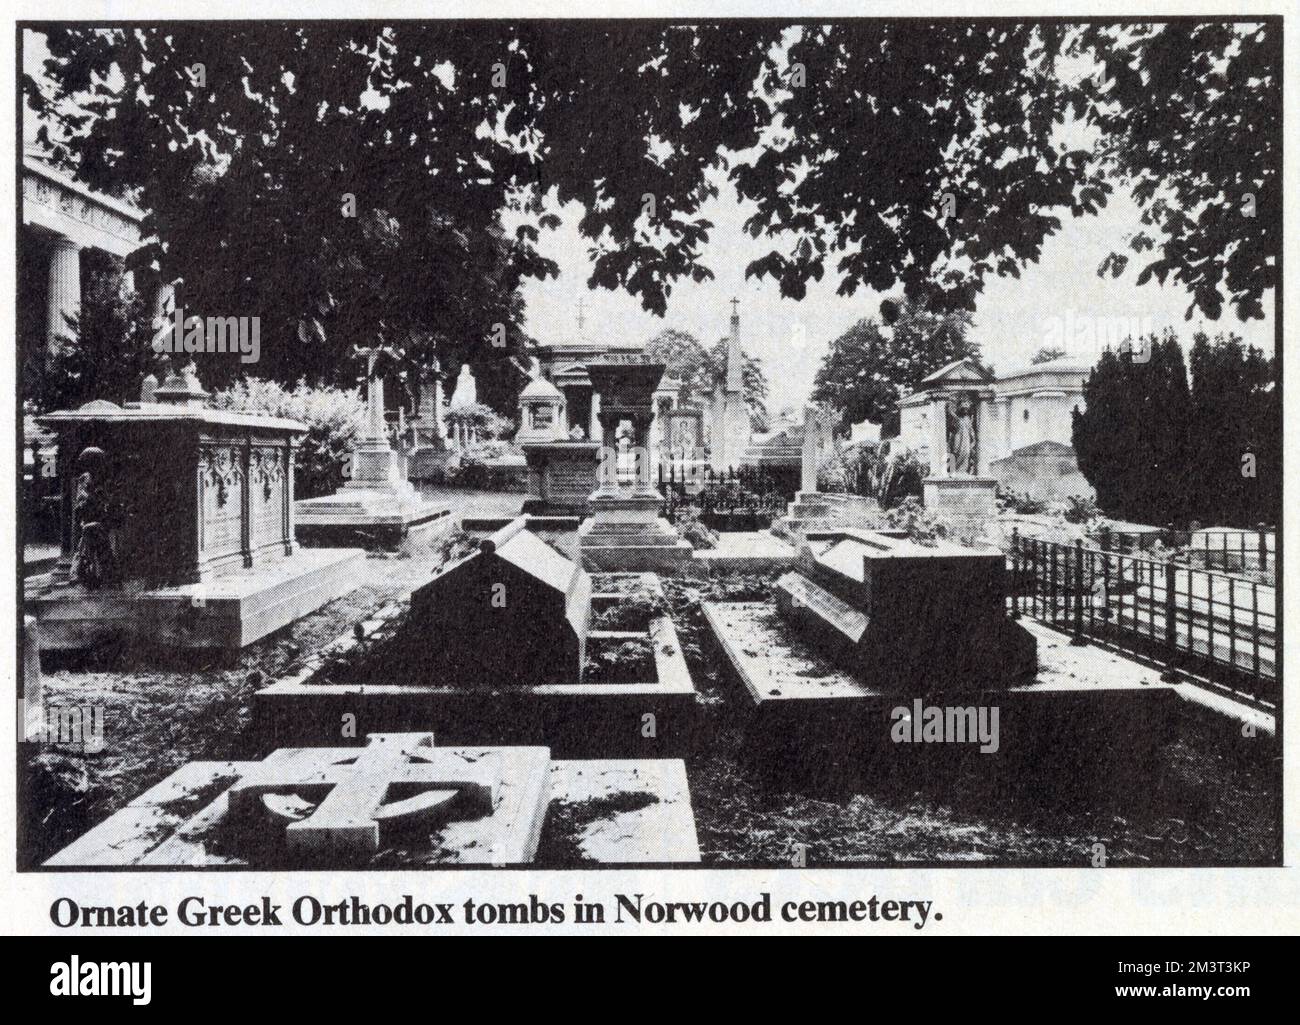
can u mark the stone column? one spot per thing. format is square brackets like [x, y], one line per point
[938, 436]
[642, 438]
[64, 292]
[811, 449]
[607, 468]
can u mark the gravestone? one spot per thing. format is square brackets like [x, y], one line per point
[378, 506]
[906, 616]
[561, 470]
[515, 612]
[398, 801]
[959, 399]
[177, 526]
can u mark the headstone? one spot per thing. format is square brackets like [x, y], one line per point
[377, 506]
[515, 612]
[901, 615]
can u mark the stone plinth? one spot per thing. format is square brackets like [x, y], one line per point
[561, 477]
[970, 498]
[398, 801]
[626, 532]
[378, 506]
[368, 513]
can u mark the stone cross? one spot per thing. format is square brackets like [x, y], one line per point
[428, 786]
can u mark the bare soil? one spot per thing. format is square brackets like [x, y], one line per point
[1202, 805]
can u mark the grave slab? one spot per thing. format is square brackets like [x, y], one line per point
[628, 811]
[808, 709]
[245, 813]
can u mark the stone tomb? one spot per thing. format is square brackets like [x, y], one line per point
[561, 477]
[515, 612]
[626, 530]
[500, 647]
[178, 528]
[900, 615]
[399, 801]
[870, 631]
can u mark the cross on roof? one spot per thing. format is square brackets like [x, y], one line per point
[354, 784]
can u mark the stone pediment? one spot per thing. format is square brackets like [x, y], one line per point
[963, 372]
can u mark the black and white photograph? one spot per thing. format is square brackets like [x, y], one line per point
[576, 442]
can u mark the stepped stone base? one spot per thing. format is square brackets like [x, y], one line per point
[813, 510]
[626, 532]
[229, 611]
[375, 517]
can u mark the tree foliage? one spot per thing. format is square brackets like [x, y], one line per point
[921, 156]
[872, 365]
[701, 371]
[1159, 450]
[1190, 116]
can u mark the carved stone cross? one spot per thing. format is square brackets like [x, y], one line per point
[398, 781]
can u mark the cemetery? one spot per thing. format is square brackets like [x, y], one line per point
[501, 592]
[581, 684]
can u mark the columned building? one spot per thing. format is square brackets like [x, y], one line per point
[67, 230]
[564, 364]
[1022, 421]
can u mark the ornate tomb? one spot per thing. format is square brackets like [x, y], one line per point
[399, 801]
[626, 530]
[514, 644]
[178, 527]
[924, 618]
[378, 506]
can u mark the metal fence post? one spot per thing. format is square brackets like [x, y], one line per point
[1078, 638]
[1170, 675]
[1015, 572]
[1263, 548]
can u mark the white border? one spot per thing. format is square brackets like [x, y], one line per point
[971, 900]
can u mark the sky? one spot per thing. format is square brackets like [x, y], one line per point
[1058, 301]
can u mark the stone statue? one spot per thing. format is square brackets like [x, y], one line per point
[961, 437]
[93, 562]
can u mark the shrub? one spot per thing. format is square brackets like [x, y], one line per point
[1081, 509]
[1018, 502]
[693, 530]
[333, 417]
[888, 477]
[483, 421]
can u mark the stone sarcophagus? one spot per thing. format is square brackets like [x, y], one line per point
[903, 616]
[164, 495]
[177, 528]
